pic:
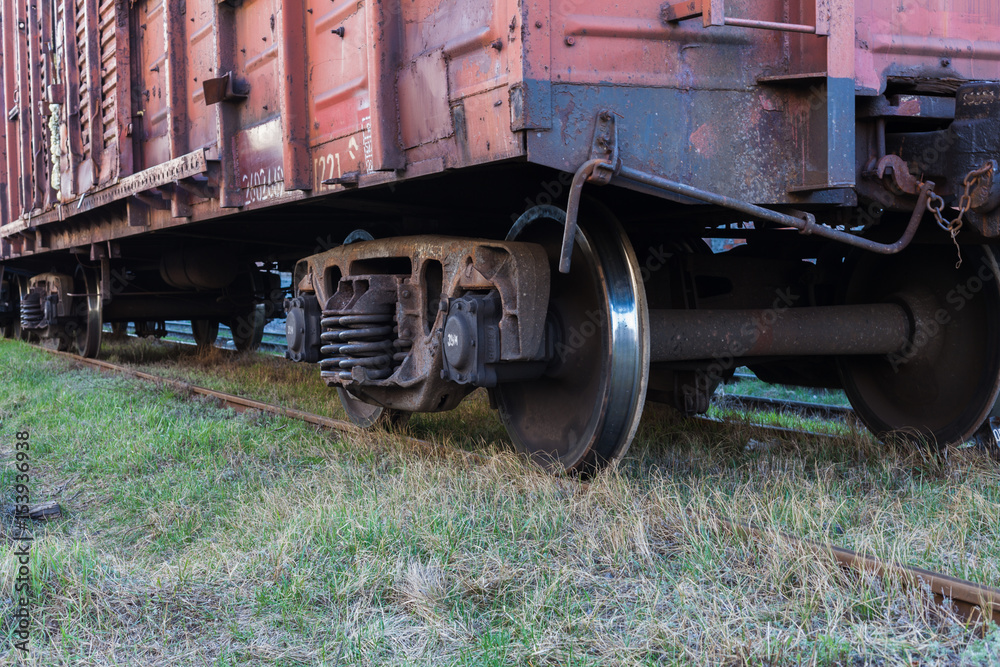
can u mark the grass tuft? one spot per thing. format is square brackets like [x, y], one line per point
[193, 535]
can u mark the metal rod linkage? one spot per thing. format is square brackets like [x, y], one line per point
[804, 222]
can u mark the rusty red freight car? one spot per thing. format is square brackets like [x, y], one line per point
[515, 195]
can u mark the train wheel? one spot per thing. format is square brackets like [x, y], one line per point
[941, 386]
[367, 416]
[583, 413]
[87, 337]
[205, 333]
[248, 329]
[13, 328]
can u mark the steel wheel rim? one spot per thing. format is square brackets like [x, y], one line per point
[88, 337]
[604, 262]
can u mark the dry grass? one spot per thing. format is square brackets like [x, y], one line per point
[196, 536]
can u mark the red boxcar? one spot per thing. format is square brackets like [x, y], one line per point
[161, 159]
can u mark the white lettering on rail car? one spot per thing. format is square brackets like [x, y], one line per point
[263, 184]
[366, 140]
[326, 167]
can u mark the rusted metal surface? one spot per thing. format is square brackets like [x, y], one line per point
[804, 222]
[293, 66]
[953, 41]
[714, 14]
[182, 167]
[975, 603]
[743, 402]
[4, 182]
[175, 28]
[243, 404]
[678, 335]
[384, 306]
[392, 90]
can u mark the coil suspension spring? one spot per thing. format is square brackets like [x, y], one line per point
[368, 341]
[32, 311]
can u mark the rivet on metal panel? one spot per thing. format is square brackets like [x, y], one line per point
[570, 40]
[497, 44]
[338, 31]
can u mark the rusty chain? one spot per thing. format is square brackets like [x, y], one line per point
[935, 204]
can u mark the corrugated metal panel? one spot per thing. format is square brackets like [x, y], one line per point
[109, 73]
[83, 74]
[4, 202]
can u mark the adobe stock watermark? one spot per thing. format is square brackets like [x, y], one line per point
[927, 329]
[550, 193]
[750, 333]
[578, 335]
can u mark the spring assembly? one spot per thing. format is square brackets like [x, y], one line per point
[401, 346]
[32, 313]
[363, 341]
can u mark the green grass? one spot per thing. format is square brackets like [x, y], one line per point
[196, 536]
[754, 387]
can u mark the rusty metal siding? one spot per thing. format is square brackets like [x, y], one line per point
[5, 205]
[350, 93]
[201, 49]
[341, 88]
[8, 24]
[66, 48]
[945, 38]
[109, 77]
[150, 83]
[9, 178]
[762, 115]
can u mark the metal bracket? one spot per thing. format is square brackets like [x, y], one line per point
[603, 165]
[225, 88]
[604, 147]
[896, 168]
[348, 180]
[713, 13]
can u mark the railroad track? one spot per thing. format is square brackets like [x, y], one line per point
[180, 332]
[973, 602]
[274, 343]
[742, 401]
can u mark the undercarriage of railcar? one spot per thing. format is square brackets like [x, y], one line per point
[575, 298]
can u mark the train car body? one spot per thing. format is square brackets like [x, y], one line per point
[496, 159]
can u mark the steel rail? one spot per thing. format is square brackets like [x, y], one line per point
[241, 404]
[972, 601]
[803, 407]
[975, 603]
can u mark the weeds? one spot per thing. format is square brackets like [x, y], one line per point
[194, 535]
